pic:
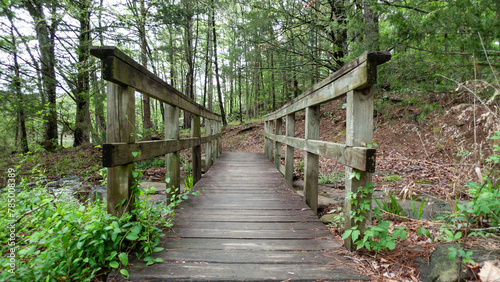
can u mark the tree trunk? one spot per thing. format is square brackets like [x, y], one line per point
[146, 101]
[17, 87]
[82, 121]
[46, 37]
[219, 92]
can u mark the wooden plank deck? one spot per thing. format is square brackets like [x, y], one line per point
[247, 225]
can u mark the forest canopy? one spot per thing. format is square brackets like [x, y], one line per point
[239, 58]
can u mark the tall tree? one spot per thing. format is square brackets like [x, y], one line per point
[16, 83]
[82, 95]
[46, 33]
[219, 92]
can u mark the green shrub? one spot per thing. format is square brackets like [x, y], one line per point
[62, 239]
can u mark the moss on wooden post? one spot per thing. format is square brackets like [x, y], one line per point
[120, 128]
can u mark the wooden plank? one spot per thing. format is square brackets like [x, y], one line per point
[245, 232]
[121, 69]
[254, 244]
[289, 153]
[277, 145]
[200, 271]
[361, 158]
[249, 234]
[304, 214]
[251, 225]
[311, 160]
[359, 131]
[172, 160]
[358, 74]
[208, 145]
[120, 128]
[114, 154]
[251, 257]
[196, 150]
[256, 217]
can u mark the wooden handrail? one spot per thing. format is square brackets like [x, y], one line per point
[125, 76]
[355, 80]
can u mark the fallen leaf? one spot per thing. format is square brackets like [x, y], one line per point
[490, 272]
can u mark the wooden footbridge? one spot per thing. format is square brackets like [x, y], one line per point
[247, 224]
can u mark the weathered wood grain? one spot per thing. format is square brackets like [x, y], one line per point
[121, 118]
[121, 69]
[289, 153]
[358, 74]
[115, 154]
[359, 131]
[361, 158]
[246, 225]
[172, 160]
[311, 160]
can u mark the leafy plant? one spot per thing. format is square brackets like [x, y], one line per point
[380, 237]
[335, 177]
[62, 239]
[417, 213]
[391, 205]
[479, 217]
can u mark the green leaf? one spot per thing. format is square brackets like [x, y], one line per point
[132, 236]
[124, 272]
[452, 254]
[123, 258]
[135, 173]
[355, 235]
[114, 264]
[347, 233]
[135, 154]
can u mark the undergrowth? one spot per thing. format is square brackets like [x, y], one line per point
[59, 238]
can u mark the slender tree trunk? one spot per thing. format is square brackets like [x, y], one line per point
[208, 60]
[21, 125]
[219, 92]
[82, 121]
[146, 101]
[46, 36]
[240, 94]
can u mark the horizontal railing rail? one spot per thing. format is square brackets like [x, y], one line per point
[355, 80]
[125, 76]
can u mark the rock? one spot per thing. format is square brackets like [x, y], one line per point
[442, 269]
[329, 218]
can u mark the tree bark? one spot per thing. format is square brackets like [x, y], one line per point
[17, 87]
[46, 36]
[146, 101]
[82, 99]
[219, 92]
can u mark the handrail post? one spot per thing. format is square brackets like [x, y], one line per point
[289, 154]
[219, 128]
[172, 161]
[270, 147]
[120, 128]
[216, 141]
[208, 145]
[196, 150]
[311, 160]
[277, 145]
[266, 139]
[359, 132]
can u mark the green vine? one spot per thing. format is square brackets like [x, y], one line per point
[380, 237]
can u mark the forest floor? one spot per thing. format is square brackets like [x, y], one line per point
[431, 146]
